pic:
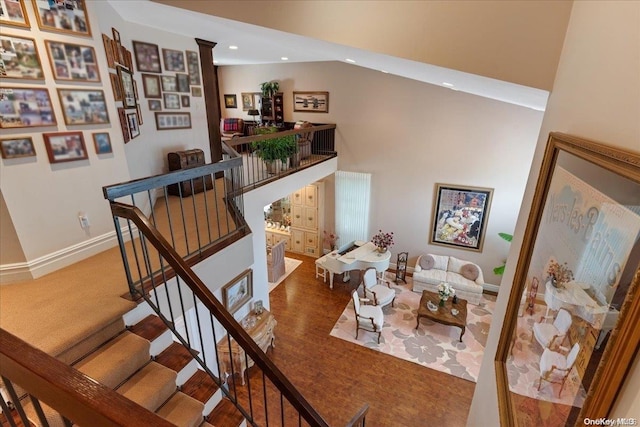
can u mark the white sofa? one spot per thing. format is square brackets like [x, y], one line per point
[464, 276]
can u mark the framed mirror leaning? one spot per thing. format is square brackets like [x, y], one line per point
[571, 329]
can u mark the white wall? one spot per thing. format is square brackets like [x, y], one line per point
[596, 95]
[411, 135]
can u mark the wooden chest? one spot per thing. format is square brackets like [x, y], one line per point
[185, 160]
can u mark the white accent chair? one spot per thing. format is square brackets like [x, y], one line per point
[550, 334]
[556, 367]
[275, 262]
[368, 317]
[379, 294]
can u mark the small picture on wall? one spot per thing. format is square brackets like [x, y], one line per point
[155, 105]
[196, 91]
[169, 84]
[147, 57]
[20, 59]
[73, 62]
[186, 101]
[247, 101]
[128, 88]
[17, 147]
[171, 101]
[83, 107]
[193, 67]
[65, 146]
[230, 101]
[173, 60]
[183, 82]
[238, 291]
[102, 143]
[12, 12]
[134, 125]
[151, 86]
[63, 16]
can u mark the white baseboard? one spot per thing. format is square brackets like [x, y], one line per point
[29, 270]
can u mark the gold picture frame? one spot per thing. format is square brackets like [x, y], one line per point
[585, 218]
[63, 17]
[238, 291]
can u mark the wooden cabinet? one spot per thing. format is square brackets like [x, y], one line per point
[306, 219]
[275, 236]
[273, 109]
[261, 329]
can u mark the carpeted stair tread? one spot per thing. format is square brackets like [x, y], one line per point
[200, 386]
[182, 410]
[151, 386]
[117, 360]
[151, 327]
[96, 338]
[175, 357]
[225, 414]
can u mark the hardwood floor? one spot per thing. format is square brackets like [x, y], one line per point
[338, 377]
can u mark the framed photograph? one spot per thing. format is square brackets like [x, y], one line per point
[12, 12]
[133, 124]
[140, 120]
[25, 108]
[124, 124]
[83, 106]
[108, 50]
[185, 100]
[581, 245]
[171, 101]
[173, 60]
[11, 148]
[196, 91]
[183, 82]
[65, 146]
[170, 121]
[102, 143]
[115, 85]
[155, 105]
[193, 67]
[151, 86]
[258, 308]
[247, 101]
[116, 35]
[147, 57]
[238, 291]
[311, 102]
[20, 59]
[128, 89]
[169, 84]
[230, 101]
[73, 62]
[63, 16]
[460, 216]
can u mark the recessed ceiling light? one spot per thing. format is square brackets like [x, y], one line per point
[284, 58]
[215, 61]
[233, 47]
[447, 84]
[350, 60]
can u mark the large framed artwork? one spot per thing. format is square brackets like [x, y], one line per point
[63, 16]
[147, 57]
[238, 291]
[83, 106]
[311, 102]
[25, 108]
[65, 146]
[73, 62]
[12, 12]
[460, 216]
[19, 59]
[581, 247]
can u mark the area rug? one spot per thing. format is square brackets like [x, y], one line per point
[432, 345]
[290, 264]
[523, 367]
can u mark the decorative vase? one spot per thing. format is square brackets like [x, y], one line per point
[442, 300]
[382, 249]
[554, 282]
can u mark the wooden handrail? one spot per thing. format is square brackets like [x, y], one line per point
[207, 298]
[359, 417]
[68, 391]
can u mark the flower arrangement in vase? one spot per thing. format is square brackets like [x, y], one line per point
[382, 240]
[558, 273]
[331, 239]
[444, 292]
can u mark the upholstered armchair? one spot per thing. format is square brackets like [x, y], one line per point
[304, 139]
[368, 317]
[379, 295]
[230, 128]
[555, 367]
[275, 262]
[550, 334]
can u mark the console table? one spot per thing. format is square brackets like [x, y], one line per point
[260, 328]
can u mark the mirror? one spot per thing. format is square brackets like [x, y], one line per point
[570, 331]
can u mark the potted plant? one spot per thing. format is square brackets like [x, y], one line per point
[277, 148]
[269, 89]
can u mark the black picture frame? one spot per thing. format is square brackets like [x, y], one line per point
[147, 57]
[128, 88]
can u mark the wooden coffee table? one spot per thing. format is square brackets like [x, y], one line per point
[443, 315]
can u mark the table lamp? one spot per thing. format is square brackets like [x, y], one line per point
[254, 113]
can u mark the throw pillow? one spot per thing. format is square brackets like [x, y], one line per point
[427, 262]
[231, 125]
[470, 271]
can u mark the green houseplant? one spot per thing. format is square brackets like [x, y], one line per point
[499, 271]
[269, 88]
[276, 148]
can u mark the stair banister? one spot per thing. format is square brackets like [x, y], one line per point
[182, 269]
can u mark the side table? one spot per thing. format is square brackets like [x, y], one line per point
[261, 329]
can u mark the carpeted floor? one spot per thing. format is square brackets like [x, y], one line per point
[290, 264]
[432, 345]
